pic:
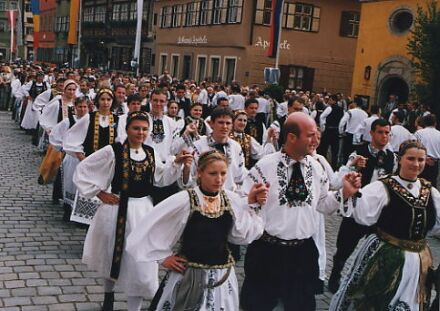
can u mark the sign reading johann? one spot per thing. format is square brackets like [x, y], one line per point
[194, 40]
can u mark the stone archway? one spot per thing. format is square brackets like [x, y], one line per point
[394, 75]
[393, 85]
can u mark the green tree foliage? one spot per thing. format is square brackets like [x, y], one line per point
[424, 47]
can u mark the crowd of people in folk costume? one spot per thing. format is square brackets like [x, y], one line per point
[183, 174]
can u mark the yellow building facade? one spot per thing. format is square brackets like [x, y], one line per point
[382, 63]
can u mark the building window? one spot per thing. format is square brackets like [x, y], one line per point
[29, 30]
[215, 69]
[163, 63]
[306, 17]
[401, 21]
[263, 13]
[13, 5]
[116, 12]
[201, 68]
[186, 68]
[350, 24]
[166, 17]
[234, 11]
[124, 11]
[296, 75]
[217, 12]
[100, 14]
[175, 65]
[3, 26]
[176, 19]
[88, 15]
[229, 69]
[133, 11]
[2, 5]
[205, 12]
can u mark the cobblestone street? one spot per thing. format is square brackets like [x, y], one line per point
[40, 255]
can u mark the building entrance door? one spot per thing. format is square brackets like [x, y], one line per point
[393, 86]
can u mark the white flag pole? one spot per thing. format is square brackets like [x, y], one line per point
[137, 44]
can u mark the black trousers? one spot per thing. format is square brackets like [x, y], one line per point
[350, 232]
[274, 272]
[57, 191]
[330, 138]
[347, 147]
[430, 173]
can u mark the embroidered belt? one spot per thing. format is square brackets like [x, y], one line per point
[266, 237]
[197, 265]
[408, 245]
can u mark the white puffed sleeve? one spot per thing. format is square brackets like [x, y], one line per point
[367, 209]
[76, 135]
[49, 116]
[248, 225]
[121, 131]
[95, 173]
[166, 173]
[258, 151]
[41, 101]
[155, 236]
[436, 200]
[58, 133]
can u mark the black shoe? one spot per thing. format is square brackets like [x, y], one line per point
[335, 276]
[109, 298]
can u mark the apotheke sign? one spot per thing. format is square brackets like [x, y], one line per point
[284, 45]
[193, 40]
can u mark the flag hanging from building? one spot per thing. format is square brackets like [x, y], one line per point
[35, 6]
[12, 18]
[72, 37]
[275, 27]
[19, 26]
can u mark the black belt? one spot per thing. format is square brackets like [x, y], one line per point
[266, 237]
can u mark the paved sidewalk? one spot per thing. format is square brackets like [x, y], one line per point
[40, 255]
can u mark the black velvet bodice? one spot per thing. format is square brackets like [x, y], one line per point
[372, 163]
[140, 183]
[204, 239]
[407, 217]
[104, 135]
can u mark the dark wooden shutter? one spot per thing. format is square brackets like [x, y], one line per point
[309, 76]
[344, 27]
[284, 76]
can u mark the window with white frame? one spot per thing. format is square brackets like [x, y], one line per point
[175, 65]
[3, 26]
[201, 68]
[116, 12]
[88, 14]
[176, 19]
[229, 69]
[217, 12]
[205, 12]
[100, 13]
[124, 11]
[306, 17]
[350, 24]
[263, 13]
[166, 17]
[2, 5]
[215, 68]
[234, 11]
[133, 11]
[163, 63]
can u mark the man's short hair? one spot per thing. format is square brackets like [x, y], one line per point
[429, 120]
[294, 99]
[133, 98]
[117, 86]
[375, 109]
[379, 122]
[250, 101]
[219, 112]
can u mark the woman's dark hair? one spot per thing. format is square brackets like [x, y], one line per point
[100, 93]
[136, 115]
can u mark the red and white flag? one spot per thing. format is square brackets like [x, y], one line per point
[12, 18]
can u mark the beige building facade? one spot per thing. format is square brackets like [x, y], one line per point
[225, 40]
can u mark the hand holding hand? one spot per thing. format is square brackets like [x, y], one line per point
[108, 198]
[175, 263]
[351, 184]
[258, 194]
[360, 161]
[191, 129]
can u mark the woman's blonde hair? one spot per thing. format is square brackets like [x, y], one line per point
[209, 157]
